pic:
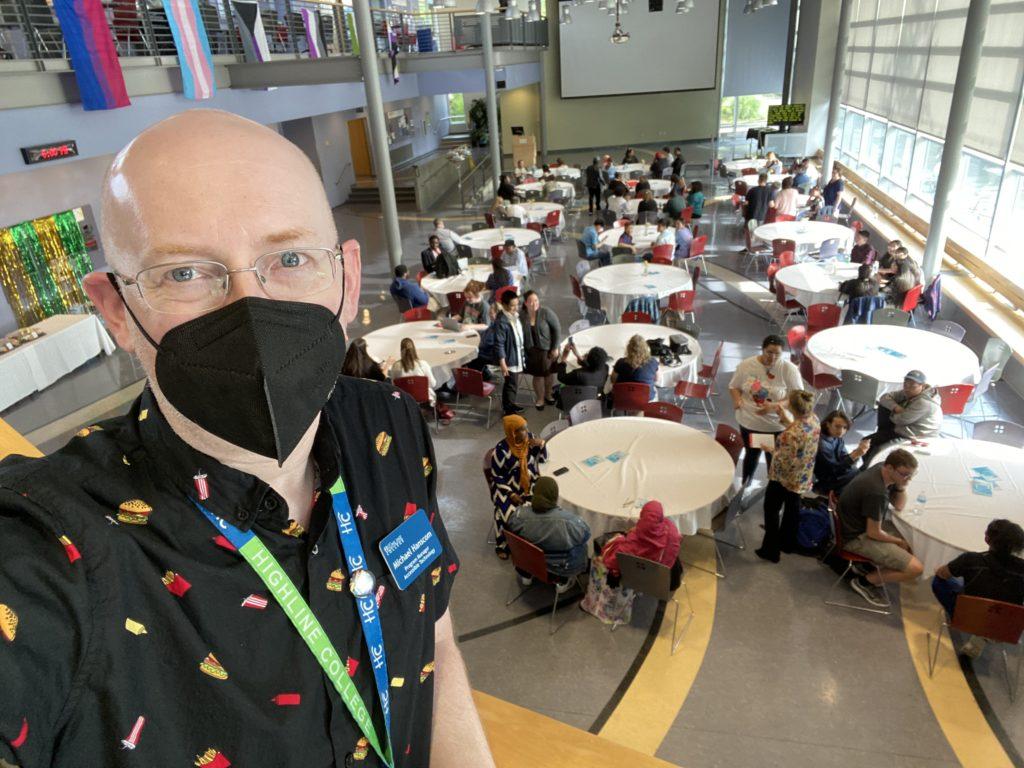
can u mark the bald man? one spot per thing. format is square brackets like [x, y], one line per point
[249, 568]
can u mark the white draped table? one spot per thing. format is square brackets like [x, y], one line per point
[70, 341]
[537, 187]
[537, 213]
[440, 287]
[808, 235]
[613, 338]
[813, 282]
[619, 284]
[684, 469]
[482, 240]
[943, 517]
[643, 236]
[442, 350]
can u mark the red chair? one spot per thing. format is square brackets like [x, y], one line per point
[696, 278]
[697, 247]
[529, 559]
[529, 180]
[470, 382]
[682, 302]
[730, 439]
[631, 183]
[910, 301]
[786, 259]
[419, 389]
[785, 217]
[797, 340]
[687, 214]
[748, 172]
[536, 227]
[710, 372]
[662, 254]
[992, 619]
[822, 316]
[701, 392]
[636, 317]
[417, 313]
[420, 275]
[954, 401]
[850, 558]
[771, 216]
[456, 302]
[819, 382]
[630, 396]
[781, 245]
[666, 411]
[551, 223]
[770, 272]
[737, 203]
[790, 306]
[489, 218]
[576, 290]
[503, 290]
[497, 251]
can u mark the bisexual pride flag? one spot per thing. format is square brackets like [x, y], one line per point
[93, 56]
[193, 48]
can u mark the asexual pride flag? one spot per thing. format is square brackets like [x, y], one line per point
[93, 57]
[193, 48]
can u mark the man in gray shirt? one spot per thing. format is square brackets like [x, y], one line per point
[562, 535]
[862, 509]
[446, 236]
[913, 412]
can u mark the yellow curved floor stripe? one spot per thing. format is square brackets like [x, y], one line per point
[955, 707]
[650, 706]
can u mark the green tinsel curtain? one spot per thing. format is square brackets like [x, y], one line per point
[34, 263]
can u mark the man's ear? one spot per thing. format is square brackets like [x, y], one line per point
[353, 280]
[110, 305]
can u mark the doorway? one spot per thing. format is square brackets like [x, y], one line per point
[359, 146]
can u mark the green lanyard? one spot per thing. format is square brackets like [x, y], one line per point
[306, 623]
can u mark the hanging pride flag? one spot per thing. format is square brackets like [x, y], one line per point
[93, 57]
[311, 23]
[193, 48]
[254, 38]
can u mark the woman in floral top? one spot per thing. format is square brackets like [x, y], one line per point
[790, 474]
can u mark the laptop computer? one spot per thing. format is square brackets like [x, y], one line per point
[451, 324]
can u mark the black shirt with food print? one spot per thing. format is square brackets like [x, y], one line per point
[132, 634]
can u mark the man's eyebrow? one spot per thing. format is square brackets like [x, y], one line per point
[174, 250]
[289, 235]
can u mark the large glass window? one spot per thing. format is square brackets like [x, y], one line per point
[925, 169]
[1005, 243]
[974, 201]
[853, 128]
[874, 144]
[457, 109]
[899, 150]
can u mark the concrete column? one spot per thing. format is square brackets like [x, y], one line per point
[378, 129]
[842, 41]
[542, 113]
[956, 129]
[493, 129]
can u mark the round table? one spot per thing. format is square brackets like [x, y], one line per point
[736, 166]
[442, 350]
[482, 240]
[537, 188]
[949, 518]
[440, 287]
[659, 187]
[566, 172]
[537, 213]
[751, 179]
[643, 235]
[633, 207]
[808, 235]
[863, 348]
[613, 339]
[813, 282]
[628, 168]
[684, 469]
[619, 284]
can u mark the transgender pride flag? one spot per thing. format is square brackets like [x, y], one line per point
[93, 57]
[193, 48]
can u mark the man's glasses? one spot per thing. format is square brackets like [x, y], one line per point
[906, 474]
[201, 286]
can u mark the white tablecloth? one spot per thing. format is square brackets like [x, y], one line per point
[621, 283]
[633, 207]
[950, 518]
[613, 338]
[566, 172]
[816, 282]
[537, 187]
[439, 288]
[628, 168]
[808, 235]
[751, 179]
[659, 187]
[735, 166]
[537, 213]
[442, 350]
[70, 341]
[643, 236]
[482, 239]
[862, 348]
[686, 470]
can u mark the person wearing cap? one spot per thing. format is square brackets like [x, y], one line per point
[912, 413]
[562, 535]
[513, 258]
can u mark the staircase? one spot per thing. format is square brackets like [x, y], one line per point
[365, 192]
[453, 140]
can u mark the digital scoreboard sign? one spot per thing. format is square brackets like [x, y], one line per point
[786, 114]
[43, 153]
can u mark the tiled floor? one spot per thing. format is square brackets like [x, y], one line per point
[785, 680]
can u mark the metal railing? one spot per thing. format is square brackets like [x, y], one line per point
[474, 181]
[29, 29]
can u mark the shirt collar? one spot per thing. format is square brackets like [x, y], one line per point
[236, 496]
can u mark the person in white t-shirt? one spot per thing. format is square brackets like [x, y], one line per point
[616, 204]
[760, 388]
[515, 210]
[666, 234]
[785, 200]
[410, 364]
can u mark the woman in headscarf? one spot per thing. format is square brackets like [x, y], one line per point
[653, 538]
[515, 466]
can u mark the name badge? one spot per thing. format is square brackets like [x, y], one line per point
[410, 549]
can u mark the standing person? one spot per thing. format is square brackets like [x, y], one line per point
[832, 193]
[594, 180]
[506, 191]
[863, 518]
[695, 199]
[561, 535]
[758, 199]
[232, 450]
[511, 348]
[913, 412]
[759, 387]
[862, 252]
[834, 465]
[678, 161]
[410, 364]
[499, 277]
[542, 337]
[404, 289]
[997, 574]
[447, 238]
[790, 475]
[785, 201]
[515, 467]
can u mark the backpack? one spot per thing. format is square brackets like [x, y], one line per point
[814, 527]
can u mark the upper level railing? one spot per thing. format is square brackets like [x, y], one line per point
[29, 30]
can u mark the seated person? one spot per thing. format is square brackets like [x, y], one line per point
[515, 210]
[626, 238]
[476, 310]
[859, 286]
[862, 252]
[359, 365]
[562, 535]
[666, 234]
[684, 238]
[913, 412]
[592, 370]
[997, 574]
[887, 264]
[772, 164]
[446, 236]
[630, 157]
[834, 465]
[637, 365]
[674, 206]
[862, 510]
[402, 288]
[520, 171]
[512, 257]
[438, 261]
[815, 202]
[647, 205]
[695, 199]
[652, 538]
[616, 204]
[506, 190]
[905, 276]
[430, 255]
[591, 240]
[617, 187]
[499, 277]
[550, 185]
[643, 185]
[487, 352]
[802, 179]
[411, 364]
